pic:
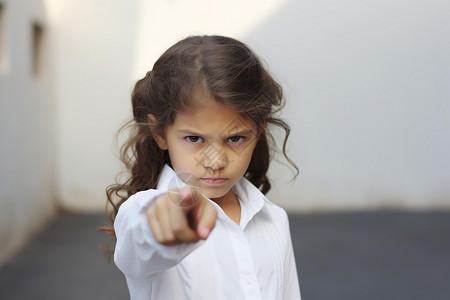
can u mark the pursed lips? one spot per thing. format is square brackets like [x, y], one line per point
[214, 180]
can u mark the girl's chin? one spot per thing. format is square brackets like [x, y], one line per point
[213, 195]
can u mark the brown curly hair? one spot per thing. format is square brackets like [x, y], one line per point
[232, 74]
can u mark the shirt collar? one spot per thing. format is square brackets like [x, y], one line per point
[169, 180]
[252, 200]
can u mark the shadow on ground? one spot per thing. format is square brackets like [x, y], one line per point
[382, 255]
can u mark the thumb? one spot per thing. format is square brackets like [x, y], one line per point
[185, 197]
[205, 219]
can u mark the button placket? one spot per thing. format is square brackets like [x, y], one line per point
[245, 263]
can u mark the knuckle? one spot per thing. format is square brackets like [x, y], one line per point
[158, 204]
[159, 239]
[168, 242]
[150, 212]
[178, 229]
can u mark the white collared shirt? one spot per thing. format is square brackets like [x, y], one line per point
[252, 260]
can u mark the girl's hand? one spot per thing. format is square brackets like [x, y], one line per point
[181, 216]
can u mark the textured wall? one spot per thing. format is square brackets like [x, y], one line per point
[27, 125]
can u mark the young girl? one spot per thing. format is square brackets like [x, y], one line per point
[192, 221]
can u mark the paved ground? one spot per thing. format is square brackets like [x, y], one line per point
[339, 256]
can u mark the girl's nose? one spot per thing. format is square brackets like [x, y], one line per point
[214, 158]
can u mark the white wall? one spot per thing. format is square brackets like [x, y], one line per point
[367, 84]
[370, 101]
[94, 54]
[27, 129]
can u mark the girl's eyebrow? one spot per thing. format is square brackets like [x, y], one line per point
[238, 132]
[225, 133]
[189, 132]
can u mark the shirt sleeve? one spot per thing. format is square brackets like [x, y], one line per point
[291, 283]
[137, 254]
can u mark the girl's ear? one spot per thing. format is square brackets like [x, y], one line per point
[160, 139]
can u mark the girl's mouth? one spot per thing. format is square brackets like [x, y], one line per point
[214, 180]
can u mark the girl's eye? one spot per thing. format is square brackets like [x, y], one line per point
[194, 139]
[236, 139]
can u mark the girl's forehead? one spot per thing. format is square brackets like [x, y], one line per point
[213, 114]
[201, 100]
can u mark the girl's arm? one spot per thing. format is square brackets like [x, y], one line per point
[138, 254]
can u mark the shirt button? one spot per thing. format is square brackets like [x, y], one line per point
[236, 235]
[249, 280]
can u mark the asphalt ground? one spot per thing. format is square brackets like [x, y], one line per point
[371, 255]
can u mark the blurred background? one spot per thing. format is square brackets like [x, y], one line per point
[367, 84]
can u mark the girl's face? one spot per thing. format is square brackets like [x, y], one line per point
[212, 144]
